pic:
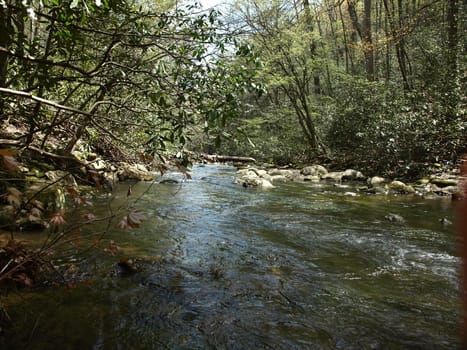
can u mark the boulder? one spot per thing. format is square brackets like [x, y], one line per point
[400, 187]
[376, 181]
[314, 170]
[262, 173]
[248, 172]
[353, 175]
[254, 181]
[134, 172]
[288, 174]
[444, 181]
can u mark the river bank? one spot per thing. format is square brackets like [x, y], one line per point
[445, 184]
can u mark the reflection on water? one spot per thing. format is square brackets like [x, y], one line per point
[299, 266]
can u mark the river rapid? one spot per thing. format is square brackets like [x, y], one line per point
[300, 266]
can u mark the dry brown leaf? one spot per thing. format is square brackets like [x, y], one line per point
[82, 201]
[135, 218]
[89, 216]
[57, 219]
[72, 191]
[8, 152]
[10, 164]
[23, 279]
[123, 224]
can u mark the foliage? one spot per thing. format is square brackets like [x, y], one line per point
[380, 129]
[374, 84]
[135, 76]
[126, 78]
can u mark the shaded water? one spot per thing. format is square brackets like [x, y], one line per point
[298, 267]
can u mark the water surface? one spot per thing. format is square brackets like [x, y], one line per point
[301, 266]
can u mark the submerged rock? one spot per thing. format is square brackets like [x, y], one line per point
[445, 222]
[395, 218]
[169, 181]
[126, 266]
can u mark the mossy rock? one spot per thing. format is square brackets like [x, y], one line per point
[444, 182]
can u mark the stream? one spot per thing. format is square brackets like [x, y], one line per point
[301, 266]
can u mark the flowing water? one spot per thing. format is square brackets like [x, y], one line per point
[301, 266]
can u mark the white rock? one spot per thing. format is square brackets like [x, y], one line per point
[314, 170]
[376, 181]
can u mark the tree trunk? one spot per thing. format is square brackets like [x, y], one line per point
[368, 42]
[451, 99]
[86, 120]
[354, 17]
[313, 45]
[399, 43]
[348, 55]
[5, 40]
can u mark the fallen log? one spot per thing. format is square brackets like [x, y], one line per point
[223, 158]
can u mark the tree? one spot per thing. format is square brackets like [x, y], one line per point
[122, 77]
[120, 65]
[289, 47]
[378, 78]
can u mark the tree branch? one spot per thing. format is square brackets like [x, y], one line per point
[45, 101]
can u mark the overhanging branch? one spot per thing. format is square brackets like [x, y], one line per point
[45, 101]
